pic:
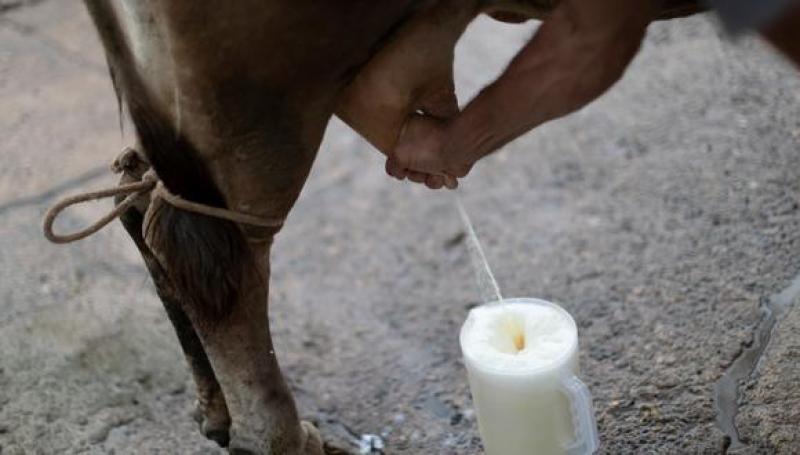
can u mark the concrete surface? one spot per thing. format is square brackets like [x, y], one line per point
[661, 217]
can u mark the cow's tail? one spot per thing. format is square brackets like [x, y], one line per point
[204, 257]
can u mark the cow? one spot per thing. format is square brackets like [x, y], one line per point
[229, 101]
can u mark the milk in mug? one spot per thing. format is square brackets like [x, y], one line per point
[522, 363]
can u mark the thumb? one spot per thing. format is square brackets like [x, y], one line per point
[440, 100]
[420, 144]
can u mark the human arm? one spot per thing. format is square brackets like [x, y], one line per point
[784, 33]
[581, 49]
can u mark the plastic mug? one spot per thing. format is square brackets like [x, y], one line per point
[521, 357]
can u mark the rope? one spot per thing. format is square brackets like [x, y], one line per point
[215, 212]
[133, 190]
[148, 183]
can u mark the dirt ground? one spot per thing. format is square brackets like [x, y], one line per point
[664, 217]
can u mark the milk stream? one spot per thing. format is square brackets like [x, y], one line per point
[487, 285]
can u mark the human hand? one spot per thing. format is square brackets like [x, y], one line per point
[581, 49]
[419, 155]
[411, 74]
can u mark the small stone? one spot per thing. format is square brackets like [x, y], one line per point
[399, 418]
[647, 391]
[99, 434]
[649, 412]
[455, 240]
[178, 389]
[666, 360]
[370, 443]
[468, 414]
[667, 381]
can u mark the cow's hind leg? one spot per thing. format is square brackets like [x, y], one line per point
[222, 272]
[264, 416]
[244, 138]
[211, 411]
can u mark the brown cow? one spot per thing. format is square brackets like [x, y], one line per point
[230, 100]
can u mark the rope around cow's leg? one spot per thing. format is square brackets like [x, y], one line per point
[147, 183]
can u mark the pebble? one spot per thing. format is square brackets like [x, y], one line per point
[647, 391]
[399, 418]
[370, 443]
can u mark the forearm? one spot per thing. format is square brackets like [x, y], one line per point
[784, 33]
[580, 51]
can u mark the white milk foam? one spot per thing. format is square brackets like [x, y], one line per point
[517, 337]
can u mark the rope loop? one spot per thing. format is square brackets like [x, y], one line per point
[147, 183]
[133, 190]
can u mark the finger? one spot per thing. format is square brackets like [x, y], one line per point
[395, 170]
[419, 146]
[417, 177]
[460, 171]
[434, 182]
[450, 182]
[401, 173]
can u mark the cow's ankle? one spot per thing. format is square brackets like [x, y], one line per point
[212, 418]
[273, 441]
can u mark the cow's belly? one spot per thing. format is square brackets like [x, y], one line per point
[302, 49]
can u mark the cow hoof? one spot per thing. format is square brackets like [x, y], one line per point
[334, 450]
[212, 425]
[221, 437]
[312, 439]
[310, 443]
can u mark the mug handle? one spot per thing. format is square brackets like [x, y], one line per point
[583, 421]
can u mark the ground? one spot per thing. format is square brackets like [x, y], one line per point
[664, 217]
